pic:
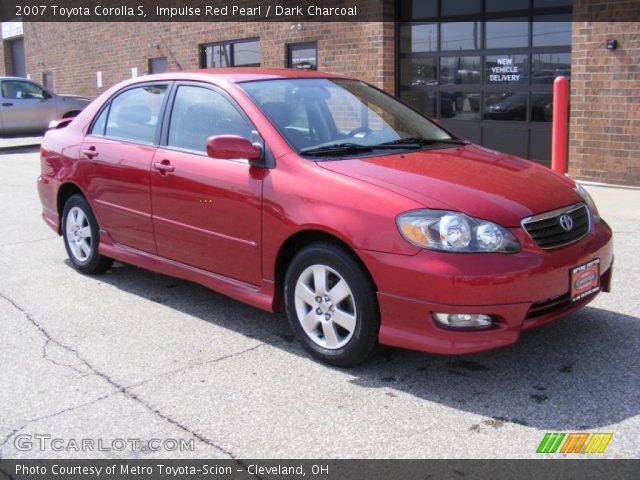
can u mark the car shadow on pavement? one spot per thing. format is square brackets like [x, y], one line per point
[579, 373]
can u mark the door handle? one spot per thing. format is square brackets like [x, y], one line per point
[164, 166]
[90, 152]
[7, 104]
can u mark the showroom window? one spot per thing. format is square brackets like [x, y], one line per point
[485, 64]
[239, 53]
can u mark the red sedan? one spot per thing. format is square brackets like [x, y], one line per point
[323, 196]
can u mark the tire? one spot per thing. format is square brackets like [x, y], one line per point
[81, 236]
[337, 322]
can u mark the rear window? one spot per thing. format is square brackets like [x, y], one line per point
[132, 115]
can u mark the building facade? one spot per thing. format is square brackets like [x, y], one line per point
[484, 68]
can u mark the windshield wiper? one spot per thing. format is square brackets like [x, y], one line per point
[418, 142]
[338, 148]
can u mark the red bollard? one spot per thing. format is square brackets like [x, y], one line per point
[559, 125]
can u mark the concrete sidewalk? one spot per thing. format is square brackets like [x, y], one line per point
[11, 143]
[616, 201]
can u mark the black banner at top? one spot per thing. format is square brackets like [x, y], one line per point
[287, 11]
[197, 10]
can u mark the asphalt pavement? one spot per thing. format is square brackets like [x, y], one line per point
[136, 356]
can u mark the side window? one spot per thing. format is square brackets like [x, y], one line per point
[133, 115]
[100, 123]
[20, 90]
[199, 113]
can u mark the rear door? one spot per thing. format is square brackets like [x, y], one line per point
[120, 148]
[206, 211]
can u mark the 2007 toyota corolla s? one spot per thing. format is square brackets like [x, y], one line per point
[322, 195]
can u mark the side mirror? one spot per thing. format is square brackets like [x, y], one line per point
[231, 147]
[46, 95]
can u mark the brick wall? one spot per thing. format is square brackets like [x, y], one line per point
[604, 141]
[75, 51]
[3, 68]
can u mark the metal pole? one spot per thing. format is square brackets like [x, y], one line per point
[559, 125]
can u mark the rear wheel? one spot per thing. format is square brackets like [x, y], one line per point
[331, 304]
[81, 236]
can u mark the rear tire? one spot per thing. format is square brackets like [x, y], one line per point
[82, 236]
[331, 304]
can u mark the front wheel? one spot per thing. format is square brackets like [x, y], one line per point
[331, 304]
[81, 236]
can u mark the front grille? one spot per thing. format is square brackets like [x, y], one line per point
[547, 231]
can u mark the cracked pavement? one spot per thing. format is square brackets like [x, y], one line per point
[136, 355]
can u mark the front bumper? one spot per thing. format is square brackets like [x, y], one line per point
[521, 291]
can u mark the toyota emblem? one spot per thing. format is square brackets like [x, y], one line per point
[566, 222]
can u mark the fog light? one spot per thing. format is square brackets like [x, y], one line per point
[463, 320]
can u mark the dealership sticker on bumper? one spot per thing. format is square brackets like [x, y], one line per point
[585, 280]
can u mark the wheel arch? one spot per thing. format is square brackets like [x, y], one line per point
[296, 242]
[65, 191]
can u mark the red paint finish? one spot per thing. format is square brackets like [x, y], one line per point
[207, 211]
[223, 222]
[232, 147]
[115, 176]
[559, 127]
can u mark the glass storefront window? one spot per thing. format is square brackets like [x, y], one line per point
[418, 71]
[422, 100]
[541, 107]
[506, 69]
[460, 105]
[459, 70]
[419, 38]
[551, 30]
[545, 67]
[510, 106]
[502, 6]
[551, 3]
[460, 36]
[512, 33]
[417, 9]
[460, 7]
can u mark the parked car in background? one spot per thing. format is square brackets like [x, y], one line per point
[326, 197]
[27, 107]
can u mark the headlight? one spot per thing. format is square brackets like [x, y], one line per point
[454, 232]
[589, 201]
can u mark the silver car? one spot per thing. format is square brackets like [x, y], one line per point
[26, 107]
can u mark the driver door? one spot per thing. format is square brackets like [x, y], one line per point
[206, 211]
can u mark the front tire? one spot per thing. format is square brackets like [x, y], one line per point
[331, 304]
[82, 236]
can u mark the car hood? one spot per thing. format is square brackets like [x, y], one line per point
[470, 179]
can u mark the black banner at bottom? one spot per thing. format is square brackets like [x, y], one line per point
[318, 469]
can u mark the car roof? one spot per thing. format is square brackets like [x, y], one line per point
[240, 74]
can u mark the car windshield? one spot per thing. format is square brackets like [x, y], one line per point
[335, 117]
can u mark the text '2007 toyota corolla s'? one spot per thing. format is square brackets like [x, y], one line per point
[322, 195]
